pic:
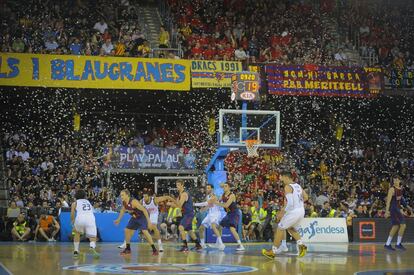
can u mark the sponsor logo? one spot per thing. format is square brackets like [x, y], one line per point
[247, 96]
[161, 268]
[313, 229]
[367, 230]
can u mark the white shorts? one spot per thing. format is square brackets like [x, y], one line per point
[86, 225]
[154, 219]
[210, 219]
[292, 219]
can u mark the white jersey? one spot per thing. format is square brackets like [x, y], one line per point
[214, 216]
[297, 197]
[152, 209]
[85, 219]
[84, 208]
[296, 211]
[215, 209]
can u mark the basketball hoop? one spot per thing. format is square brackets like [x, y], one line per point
[252, 145]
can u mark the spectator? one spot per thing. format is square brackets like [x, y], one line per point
[21, 229]
[321, 199]
[75, 47]
[256, 227]
[341, 56]
[246, 220]
[360, 212]
[23, 153]
[100, 26]
[107, 47]
[47, 226]
[144, 50]
[18, 45]
[164, 38]
[326, 210]
[240, 54]
[51, 44]
[13, 211]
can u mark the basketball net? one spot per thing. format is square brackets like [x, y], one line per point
[252, 145]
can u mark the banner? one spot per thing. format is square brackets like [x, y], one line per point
[399, 78]
[72, 71]
[149, 157]
[378, 229]
[213, 74]
[317, 230]
[323, 81]
[107, 231]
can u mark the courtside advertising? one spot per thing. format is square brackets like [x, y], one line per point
[317, 230]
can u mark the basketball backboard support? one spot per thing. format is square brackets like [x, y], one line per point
[237, 126]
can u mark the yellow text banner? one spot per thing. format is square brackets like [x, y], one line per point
[69, 71]
[213, 74]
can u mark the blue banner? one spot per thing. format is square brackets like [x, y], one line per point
[107, 231]
[149, 157]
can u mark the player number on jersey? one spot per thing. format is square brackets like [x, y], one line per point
[86, 207]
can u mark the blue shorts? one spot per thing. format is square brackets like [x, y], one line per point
[396, 217]
[187, 221]
[230, 220]
[137, 223]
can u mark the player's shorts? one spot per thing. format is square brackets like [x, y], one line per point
[86, 225]
[230, 220]
[154, 219]
[137, 223]
[292, 219]
[396, 217]
[187, 222]
[210, 219]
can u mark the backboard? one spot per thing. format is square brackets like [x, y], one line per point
[237, 126]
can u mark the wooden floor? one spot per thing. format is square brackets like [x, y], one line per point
[56, 258]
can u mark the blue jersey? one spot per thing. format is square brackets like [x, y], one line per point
[133, 211]
[187, 207]
[396, 199]
[232, 207]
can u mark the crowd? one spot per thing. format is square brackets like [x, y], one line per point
[45, 165]
[289, 32]
[98, 27]
[346, 176]
[383, 29]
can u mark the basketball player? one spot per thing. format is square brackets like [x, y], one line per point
[213, 217]
[83, 223]
[231, 220]
[151, 204]
[139, 220]
[186, 224]
[289, 217]
[393, 209]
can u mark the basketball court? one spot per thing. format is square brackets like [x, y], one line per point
[56, 258]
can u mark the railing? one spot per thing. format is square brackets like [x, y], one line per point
[168, 22]
[4, 188]
[370, 59]
[165, 52]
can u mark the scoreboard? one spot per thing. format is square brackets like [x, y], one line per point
[245, 86]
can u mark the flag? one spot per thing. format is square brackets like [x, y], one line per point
[339, 132]
[76, 122]
[212, 126]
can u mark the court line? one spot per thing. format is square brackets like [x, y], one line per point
[4, 270]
